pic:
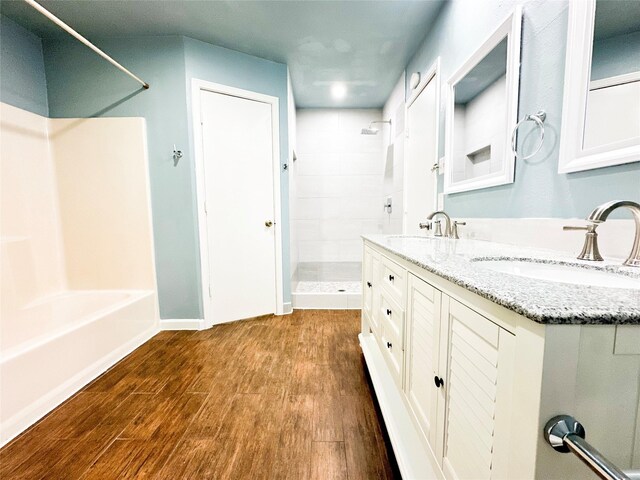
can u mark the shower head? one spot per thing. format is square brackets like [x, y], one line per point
[371, 130]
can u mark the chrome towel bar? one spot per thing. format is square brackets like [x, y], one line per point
[565, 434]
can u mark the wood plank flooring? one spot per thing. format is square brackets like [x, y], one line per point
[267, 398]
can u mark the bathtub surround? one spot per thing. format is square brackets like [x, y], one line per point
[78, 273]
[539, 191]
[101, 178]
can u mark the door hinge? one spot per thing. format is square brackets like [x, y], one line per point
[205, 208]
[210, 295]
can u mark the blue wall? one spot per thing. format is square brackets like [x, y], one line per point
[22, 78]
[538, 191]
[167, 64]
[227, 67]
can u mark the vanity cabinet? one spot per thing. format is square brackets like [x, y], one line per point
[453, 366]
[466, 386]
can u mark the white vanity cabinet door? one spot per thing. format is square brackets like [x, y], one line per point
[478, 385]
[422, 356]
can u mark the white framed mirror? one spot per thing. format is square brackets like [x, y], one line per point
[601, 106]
[482, 109]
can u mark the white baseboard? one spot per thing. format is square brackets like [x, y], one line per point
[18, 423]
[326, 301]
[287, 308]
[181, 324]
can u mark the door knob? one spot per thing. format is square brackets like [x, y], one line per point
[268, 223]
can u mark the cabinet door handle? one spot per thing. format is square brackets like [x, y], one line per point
[388, 312]
[438, 381]
[389, 345]
[391, 278]
[369, 284]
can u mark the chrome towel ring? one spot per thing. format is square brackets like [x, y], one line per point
[539, 119]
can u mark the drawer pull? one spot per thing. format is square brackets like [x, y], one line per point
[369, 284]
[389, 345]
[438, 381]
[388, 312]
[391, 278]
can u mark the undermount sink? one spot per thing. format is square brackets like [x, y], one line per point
[556, 272]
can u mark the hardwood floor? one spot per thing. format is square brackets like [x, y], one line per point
[267, 398]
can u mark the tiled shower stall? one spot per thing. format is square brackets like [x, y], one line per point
[337, 189]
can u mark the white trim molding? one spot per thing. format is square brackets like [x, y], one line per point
[511, 29]
[573, 157]
[182, 324]
[432, 74]
[196, 87]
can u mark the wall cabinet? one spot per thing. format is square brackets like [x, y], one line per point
[469, 384]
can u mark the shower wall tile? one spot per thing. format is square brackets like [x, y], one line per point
[339, 183]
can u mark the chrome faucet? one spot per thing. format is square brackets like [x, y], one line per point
[600, 215]
[447, 225]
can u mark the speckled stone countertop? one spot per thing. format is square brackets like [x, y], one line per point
[543, 301]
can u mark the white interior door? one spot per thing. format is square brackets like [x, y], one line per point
[238, 157]
[421, 155]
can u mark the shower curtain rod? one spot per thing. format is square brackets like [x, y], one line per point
[79, 37]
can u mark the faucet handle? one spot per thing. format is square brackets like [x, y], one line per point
[424, 226]
[454, 229]
[437, 229]
[590, 249]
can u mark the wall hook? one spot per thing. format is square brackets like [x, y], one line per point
[177, 155]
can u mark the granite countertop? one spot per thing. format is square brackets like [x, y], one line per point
[543, 301]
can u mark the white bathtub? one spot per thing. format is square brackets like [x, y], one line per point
[54, 346]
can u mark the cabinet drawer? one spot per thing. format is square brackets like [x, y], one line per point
[393, 279]
[392, 350]
[392, 316]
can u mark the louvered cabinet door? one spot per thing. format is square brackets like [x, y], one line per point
[478, 387]
[422, 355]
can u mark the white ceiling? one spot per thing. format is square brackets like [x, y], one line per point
[365, 44]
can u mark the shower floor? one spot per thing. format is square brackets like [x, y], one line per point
[327, 285]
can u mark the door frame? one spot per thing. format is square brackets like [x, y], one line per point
[197, 86]
[431, 74]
